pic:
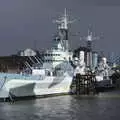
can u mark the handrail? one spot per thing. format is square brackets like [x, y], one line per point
[20, 76]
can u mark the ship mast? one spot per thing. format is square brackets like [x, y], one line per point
[62, 23]
[89, 38]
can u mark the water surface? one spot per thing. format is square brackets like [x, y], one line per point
[105, 106]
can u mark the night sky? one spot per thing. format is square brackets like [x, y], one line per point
[28, 23]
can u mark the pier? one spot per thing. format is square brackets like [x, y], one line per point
[84, 84]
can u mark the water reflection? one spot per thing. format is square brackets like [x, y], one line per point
[64, 107]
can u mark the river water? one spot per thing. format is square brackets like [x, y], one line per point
[104, 106]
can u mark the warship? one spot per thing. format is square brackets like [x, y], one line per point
[54, 76]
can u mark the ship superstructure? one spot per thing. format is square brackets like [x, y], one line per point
[60, 50]
[91, 57]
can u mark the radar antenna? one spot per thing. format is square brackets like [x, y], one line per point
[89, 38]
[63, 21]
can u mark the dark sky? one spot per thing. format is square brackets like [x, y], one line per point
[24, 21]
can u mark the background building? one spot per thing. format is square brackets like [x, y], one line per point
[27, 52]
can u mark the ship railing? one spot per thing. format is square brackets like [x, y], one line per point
[21, 76]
